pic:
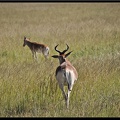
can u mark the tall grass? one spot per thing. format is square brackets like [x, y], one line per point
[29, 88]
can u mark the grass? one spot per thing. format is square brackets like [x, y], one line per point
[29, 88]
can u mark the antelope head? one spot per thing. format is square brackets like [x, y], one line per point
[25, 39]
[62, 56]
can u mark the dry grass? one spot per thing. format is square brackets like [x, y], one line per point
[29, 88]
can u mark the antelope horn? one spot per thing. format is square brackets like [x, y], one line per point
[66, 49]
[56, 49]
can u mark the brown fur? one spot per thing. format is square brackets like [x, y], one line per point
[36, 47]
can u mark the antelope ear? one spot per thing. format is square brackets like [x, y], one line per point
[55, 56]
[68, 54]
[24, 37]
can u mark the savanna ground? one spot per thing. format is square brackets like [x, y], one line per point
[29, 88]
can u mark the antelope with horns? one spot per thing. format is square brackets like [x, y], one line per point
[66, 73]
[36, 47]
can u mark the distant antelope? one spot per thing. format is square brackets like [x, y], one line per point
[66, 74]
[36, 47]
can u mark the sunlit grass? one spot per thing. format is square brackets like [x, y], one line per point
[29, 88]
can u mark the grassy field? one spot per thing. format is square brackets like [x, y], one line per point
[29, 88]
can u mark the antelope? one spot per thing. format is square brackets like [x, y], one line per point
[36, 47]
[65, 74]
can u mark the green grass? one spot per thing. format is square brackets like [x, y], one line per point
[29, 88]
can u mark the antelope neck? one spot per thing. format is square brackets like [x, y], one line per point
[61, 60]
